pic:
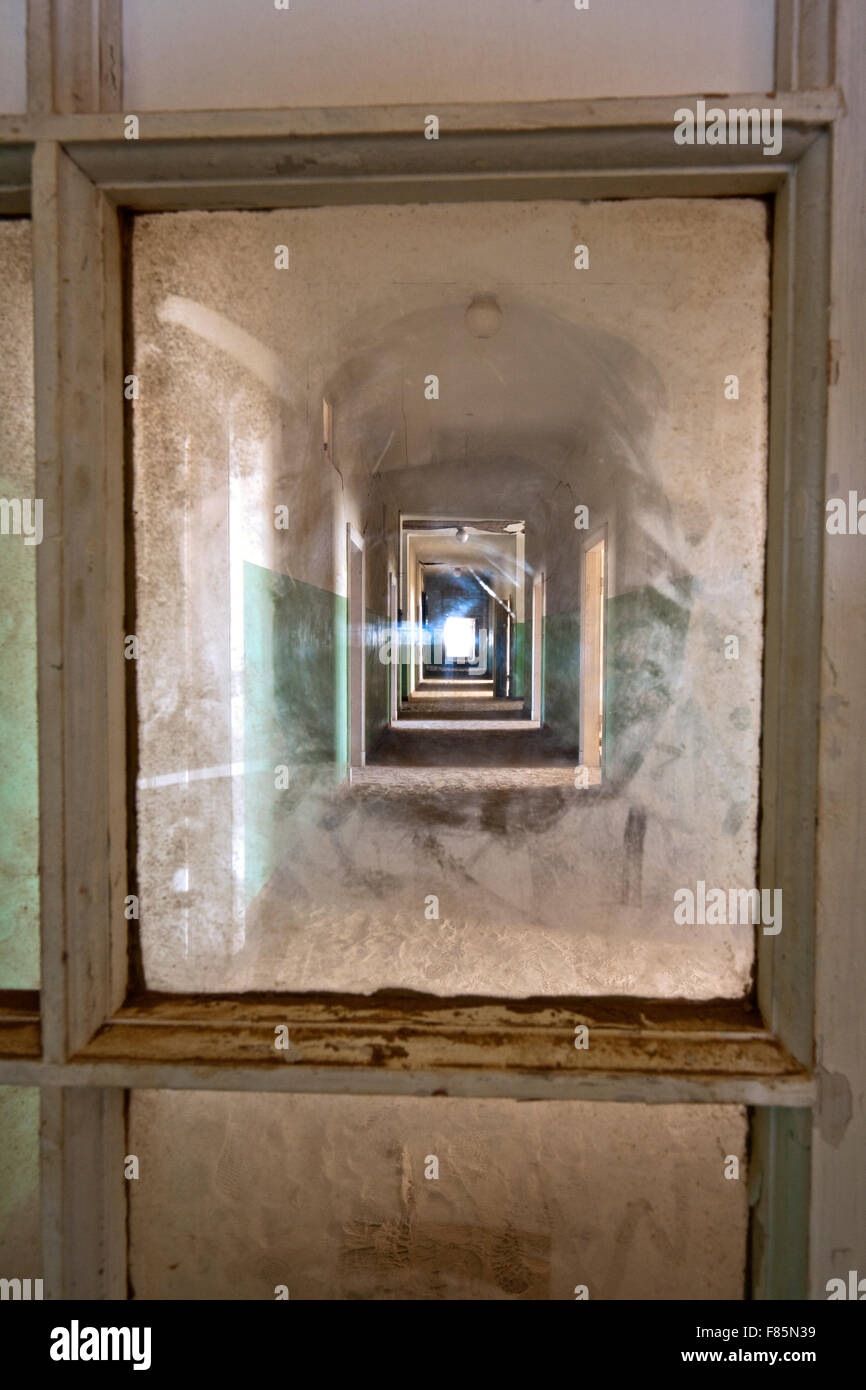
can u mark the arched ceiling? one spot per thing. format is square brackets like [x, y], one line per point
[541, 390]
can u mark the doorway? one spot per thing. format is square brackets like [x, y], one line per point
[537, 704]
[592, 654]
[356, 639]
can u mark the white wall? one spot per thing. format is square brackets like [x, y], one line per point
[202, 54]
[326, 1194]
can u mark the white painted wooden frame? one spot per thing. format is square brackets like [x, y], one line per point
[68, 164]
[394, 668]
[538, 616]
[356, 626]
[593, 538]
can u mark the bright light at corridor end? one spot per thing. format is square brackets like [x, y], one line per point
[459, 638]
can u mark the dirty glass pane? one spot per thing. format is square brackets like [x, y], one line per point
[20, 1256]
[21, 528]
[370, 1197]
[13, 56]
[388, 51]
[546, 421]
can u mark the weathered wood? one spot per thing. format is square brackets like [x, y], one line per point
[838, 1194]
[805, 44]
[524, 1050]
[395, 1006]
[40, 58]
[87, 55]
[114, 602]
[79, 393]
[76, 61]
[259, 159]
[792, 643]
[399, 1043]
[79, 445]
[155, 174]
[258, 195]
[779, 1201]
[802, 110]
[511, 1083]
[20, 1032]
[49, 598]
[640, 1042]
[110, 55]
[83, 1197]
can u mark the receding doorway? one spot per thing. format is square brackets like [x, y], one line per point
[356, 638]
[592, 654]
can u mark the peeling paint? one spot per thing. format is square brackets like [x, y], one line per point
[835, 1106]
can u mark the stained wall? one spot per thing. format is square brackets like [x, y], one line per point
[20, 1255]
[327, 1195]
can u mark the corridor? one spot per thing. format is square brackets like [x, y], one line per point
[473, 732]
[438, 596]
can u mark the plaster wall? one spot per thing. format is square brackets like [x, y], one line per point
[20, 1254]
[327, 1195]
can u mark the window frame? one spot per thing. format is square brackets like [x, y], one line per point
[101, 1035]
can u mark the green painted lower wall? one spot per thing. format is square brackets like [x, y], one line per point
[519, 679]
[295, 706]
[376, 677]
[19, 767]
[561, 636]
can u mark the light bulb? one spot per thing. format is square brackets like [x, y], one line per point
[483, 317]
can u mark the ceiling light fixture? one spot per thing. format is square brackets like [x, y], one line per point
[483, 317]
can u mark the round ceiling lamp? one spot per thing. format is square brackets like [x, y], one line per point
[483, 317]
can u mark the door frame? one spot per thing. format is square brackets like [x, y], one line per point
[394, 667]
[356, 632]
[539, 607]
[598, 536]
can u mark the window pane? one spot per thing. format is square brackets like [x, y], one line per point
[493, 414]
[20, 1256]
[13, 56]
[239, 53]
[459, 638]
[337, 1197]
[21, 527]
